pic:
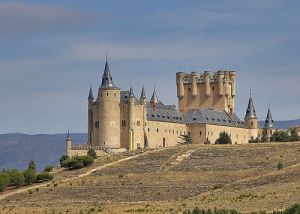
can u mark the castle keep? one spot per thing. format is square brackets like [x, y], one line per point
[119, 120]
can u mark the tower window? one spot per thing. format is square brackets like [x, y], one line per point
[97, 124]
[138, 123]
[189, 89]
[157, 130]
[107, 94]
[148, 129]
[123, 123]
[251, 123]
[200, 133]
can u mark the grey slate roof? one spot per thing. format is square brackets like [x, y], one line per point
[106, 78]
[143, 94]
[91, 97]
[250, 113]
[199, 116]
[131, 94]
[269, 120]
[154, 98]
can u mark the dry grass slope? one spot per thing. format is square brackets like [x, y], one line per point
[170, 180]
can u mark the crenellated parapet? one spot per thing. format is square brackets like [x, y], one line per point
[206, 90]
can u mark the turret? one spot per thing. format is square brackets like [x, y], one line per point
[207, 83]
[109, 111]
[269, 126]
[143, 97]
[154, 100]
[194, 84]
[250, 119]
[131, 99]
[68, 143]
[90, 115]
[232, 76]
[220, 82]
[180, 84]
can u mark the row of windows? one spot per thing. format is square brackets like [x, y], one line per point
[171, 131]
[138, 123]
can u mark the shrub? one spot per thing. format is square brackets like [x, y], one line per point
[280, 166]
[44, 176]
[17, 178]
[92, 153]
[87, 160]
[63, 159]
[4, 181]
[30, 191]
[294, 135]
[186, 139]
[224, 138]
[252, 140]
[29, 175]
[48, 169]
[280, 136]
[32, 165]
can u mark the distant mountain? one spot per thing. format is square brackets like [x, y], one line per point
[282, 124]
[16, 150]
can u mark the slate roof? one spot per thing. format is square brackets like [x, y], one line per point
[250, 113]
[107, 81]
[199, 116]
[269, 120]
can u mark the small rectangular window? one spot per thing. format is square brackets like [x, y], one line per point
[138, 123]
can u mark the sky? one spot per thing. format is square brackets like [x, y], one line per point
[52, 51]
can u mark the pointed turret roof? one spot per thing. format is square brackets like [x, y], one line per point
[106, 78]
[91, 97]
[250, 113]
[131, 94]
[269, 119]
[143, 94]
[68, 136]
[154, 99]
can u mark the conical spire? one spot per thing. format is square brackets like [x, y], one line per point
[143, 94]
[91, 97]
[131, 94]
[250, 113]
[154, 99]
[269, 120]
[68, 136]
[106, 78]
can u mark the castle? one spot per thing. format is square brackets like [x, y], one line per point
[119, 121]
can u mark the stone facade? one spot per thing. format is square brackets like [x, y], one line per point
[118, 121]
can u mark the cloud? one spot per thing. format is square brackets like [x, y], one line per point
[18, 19]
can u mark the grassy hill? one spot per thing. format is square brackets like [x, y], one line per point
[171, 180]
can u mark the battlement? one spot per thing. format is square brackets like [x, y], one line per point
[200, 77]
[86, 147]
[208, 89]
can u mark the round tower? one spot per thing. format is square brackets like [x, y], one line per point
[109, 112]
[251, 121]
[207, 83]
[269, 125]
[194, 84]
[68, 143]
[131, 101]
[90, 116]
[180, 84]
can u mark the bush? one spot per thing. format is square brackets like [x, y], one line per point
[77, 162]
[4, 181]
[280, 166]
[44, 176]
[63, 159]
[92, 153]
[30, 176]
[294, 135]
[87, 160]
[17, 178]
[186, 139]
[224, 138]
[48, 169]
[280, 136]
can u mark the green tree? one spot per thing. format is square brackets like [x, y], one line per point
[63, 159]
[224, 138]
[186, 139]
[92, 153]
[29, 175]
[280, 136]
[44, 176]
[32, 165]
[4, 180]
[264, 136]
[252, 140]
[87, 160]
[17, 178]
[294, 135]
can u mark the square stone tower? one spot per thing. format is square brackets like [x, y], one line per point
[206, 90]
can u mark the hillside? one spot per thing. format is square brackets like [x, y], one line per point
[16, 150]
[170, 180]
